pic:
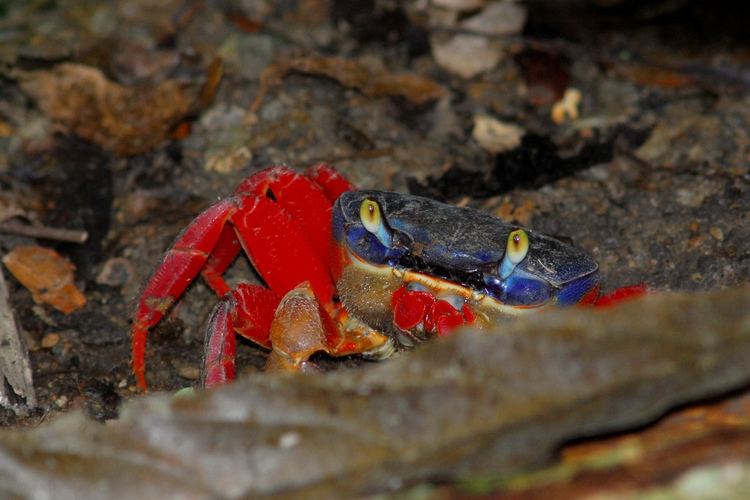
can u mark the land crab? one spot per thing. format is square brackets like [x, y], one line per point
[354, 272]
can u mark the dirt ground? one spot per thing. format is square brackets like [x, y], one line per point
[126, 121]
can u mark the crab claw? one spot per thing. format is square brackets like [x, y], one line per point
[413, 309]
[298, 331]
[410, 308]
[446, 317]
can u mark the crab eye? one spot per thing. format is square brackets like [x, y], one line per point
[518, 246]
[369, 212]
[372, 220]
[515, 252]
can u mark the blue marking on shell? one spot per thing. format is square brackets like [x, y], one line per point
[368, 246]
[572, 293]
[519, 289]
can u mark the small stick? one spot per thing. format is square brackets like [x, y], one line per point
[16, 384]
[44, 232]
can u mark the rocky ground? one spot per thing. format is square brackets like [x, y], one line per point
[620, 125]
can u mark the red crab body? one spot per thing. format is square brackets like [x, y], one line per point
[347, 273]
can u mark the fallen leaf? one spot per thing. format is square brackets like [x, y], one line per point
[655, 76]
[50, 340]
[126, 120]
[48, 275]
[459, 5]
[547, 76]
[5, 129]
[354, 74]
[214, 75]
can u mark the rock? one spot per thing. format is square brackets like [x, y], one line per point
[473, 404]
[496, 136]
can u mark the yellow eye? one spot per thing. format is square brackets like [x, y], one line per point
[518, 246]
[515, 252]
[373, 220]
[369, 212]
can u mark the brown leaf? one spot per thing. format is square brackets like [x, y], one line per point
[48, 276]
[354, 74]
[126, 120]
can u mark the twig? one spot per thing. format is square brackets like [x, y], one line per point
[44, 232]
[16, 384]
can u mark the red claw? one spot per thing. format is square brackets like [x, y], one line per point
[411, 307]
[446, 317]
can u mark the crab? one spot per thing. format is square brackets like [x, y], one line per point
[354, 272]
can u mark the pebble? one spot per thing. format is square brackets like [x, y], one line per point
[716, 233]
[289, 440]
[567, 107]
[117, 271]
[188, 372]
[50, 340]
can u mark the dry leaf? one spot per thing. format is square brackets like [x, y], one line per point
[126, 120]
[354, 74]
[459, 5]
[5, 129]
[48, 275]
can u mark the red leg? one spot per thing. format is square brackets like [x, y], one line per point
[288, 188]
[306, 202]
[219, 346]
[226, 250]
[621, 294]
[282, 220]
[280, 248]
[248, 311]
[180, 266]
[332, 182]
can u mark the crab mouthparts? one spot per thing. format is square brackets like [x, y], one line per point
[472, 279]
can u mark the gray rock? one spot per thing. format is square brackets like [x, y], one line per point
[474, 404]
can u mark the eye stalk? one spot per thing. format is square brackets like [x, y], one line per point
[515, 252]
[372, 219]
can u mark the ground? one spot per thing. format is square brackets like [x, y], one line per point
[650, 174]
